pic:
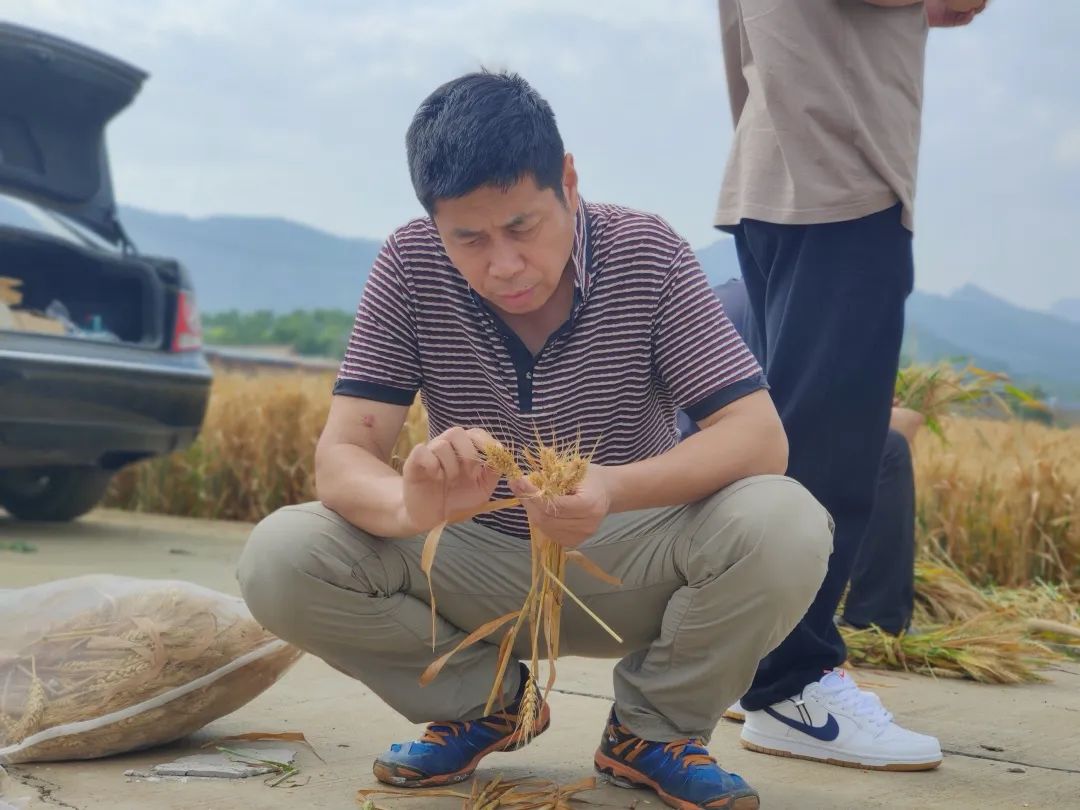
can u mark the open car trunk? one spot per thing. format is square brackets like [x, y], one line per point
[52, 288]
[56, 99]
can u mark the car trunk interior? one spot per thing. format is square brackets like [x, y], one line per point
[51, 288]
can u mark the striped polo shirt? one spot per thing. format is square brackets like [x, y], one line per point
[646, 336]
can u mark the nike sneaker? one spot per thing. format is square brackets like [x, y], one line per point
[834, 721]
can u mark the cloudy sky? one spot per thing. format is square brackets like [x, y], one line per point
[298, 109]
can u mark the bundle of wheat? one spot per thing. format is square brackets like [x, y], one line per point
[994, 635]
[943, 594]
[140, 669]
[1058, 603]
[988, 648]
[553, 473]
[1050, 613]
[935, 390]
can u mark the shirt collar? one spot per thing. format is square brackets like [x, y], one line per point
[579, 253]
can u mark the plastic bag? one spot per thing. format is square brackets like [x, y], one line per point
[99, 665]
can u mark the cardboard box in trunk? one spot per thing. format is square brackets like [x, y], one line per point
[8, 294]
[25, 321]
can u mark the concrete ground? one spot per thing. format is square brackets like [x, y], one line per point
[1008, 747]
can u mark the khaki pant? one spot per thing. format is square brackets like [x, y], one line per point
[708, 589]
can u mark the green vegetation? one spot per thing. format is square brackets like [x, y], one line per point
[311, 332]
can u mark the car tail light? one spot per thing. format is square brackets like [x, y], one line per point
[187, 334]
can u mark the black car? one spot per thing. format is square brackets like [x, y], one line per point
[101, 360]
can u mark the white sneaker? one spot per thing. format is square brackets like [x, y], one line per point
[735, 712]
[834, 721]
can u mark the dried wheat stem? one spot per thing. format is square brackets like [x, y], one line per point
[583, 606]
[1050, 626]
[553, 474]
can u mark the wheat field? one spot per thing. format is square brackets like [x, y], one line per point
[999, 499]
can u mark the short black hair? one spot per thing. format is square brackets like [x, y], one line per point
[482, 129]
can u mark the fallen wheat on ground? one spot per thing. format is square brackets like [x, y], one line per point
[991, 635]
[521, 794]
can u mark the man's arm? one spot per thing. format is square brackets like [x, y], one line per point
[742, 439]
[940, 13]
[441, 477]
[353, 476]
[906, 422]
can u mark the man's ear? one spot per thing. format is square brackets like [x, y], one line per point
[570, 182]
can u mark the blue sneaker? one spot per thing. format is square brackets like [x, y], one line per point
[681, 773]
[449, 752]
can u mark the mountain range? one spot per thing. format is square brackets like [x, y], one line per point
[1032, 347]
[1068, 308]
[252, 263]
[249, 263]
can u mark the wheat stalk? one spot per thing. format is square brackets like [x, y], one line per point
[530, 710]
[523, 794]
[992, 635]
[34, 709]
[553, 473]
[988, 648]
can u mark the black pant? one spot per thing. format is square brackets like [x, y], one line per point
[828, 304]
[882, 588]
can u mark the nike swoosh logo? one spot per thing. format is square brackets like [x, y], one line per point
[826, 733]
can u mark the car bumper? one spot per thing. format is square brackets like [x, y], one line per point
[108, 410]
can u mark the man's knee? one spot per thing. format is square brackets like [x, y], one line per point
[289, 553]
[777, 523]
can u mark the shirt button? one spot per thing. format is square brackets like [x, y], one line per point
[528, 375]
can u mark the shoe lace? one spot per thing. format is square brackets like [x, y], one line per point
[440, 733]
[677, 749]
[841, 690]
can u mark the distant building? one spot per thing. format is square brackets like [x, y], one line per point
[267, 358]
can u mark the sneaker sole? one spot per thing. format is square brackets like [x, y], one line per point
[623, 776]
[734, 716]
[401, 776]
[810, 756]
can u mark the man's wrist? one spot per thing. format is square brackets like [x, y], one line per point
[401, 521]
[618, 488]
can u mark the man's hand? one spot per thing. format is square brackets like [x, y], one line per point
[569, 520]
[445, 476]
[906, 422]
[952, 13]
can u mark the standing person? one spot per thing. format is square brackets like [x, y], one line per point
[818, 193]
[882, 591]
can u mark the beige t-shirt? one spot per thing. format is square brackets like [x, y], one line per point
[827, 101]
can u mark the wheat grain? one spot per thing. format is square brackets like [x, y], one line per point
[34, 709]
[529, 712]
